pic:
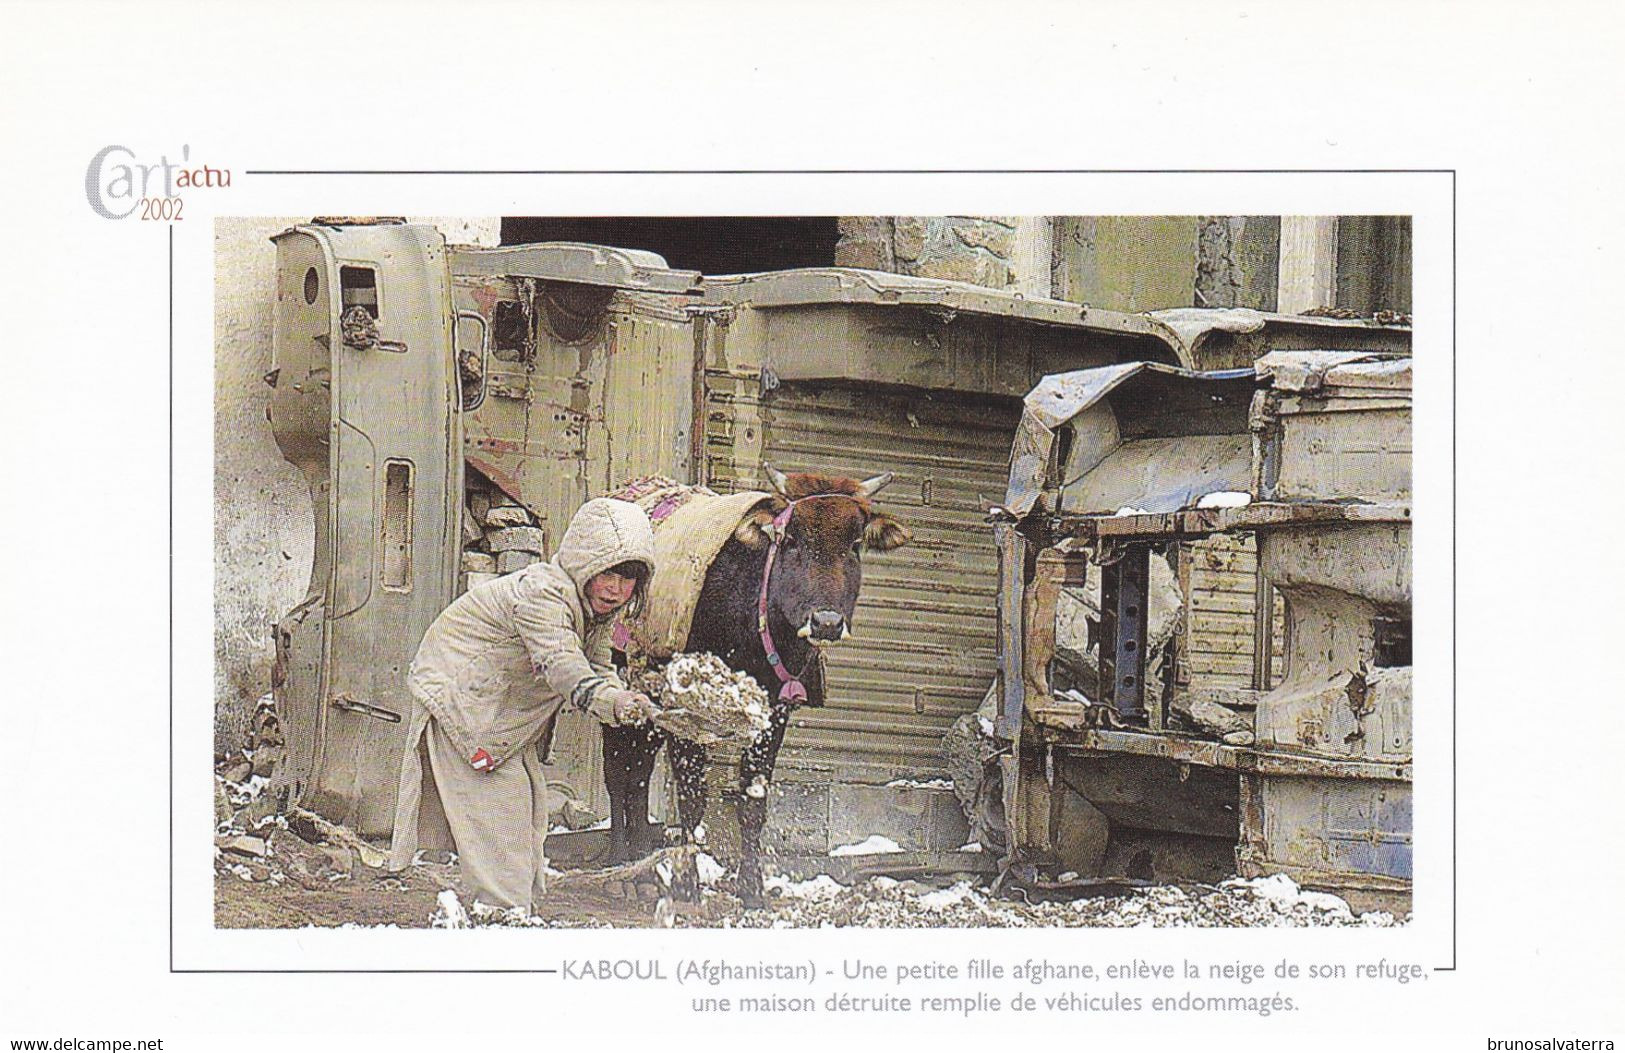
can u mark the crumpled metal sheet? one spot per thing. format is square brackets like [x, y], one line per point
[1060, 398]
[1192, 324]
[1310, 371]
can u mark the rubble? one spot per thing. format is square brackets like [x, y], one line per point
[508, 562]
[1274, 902]
[508, 516]
[242, 845]
[1214, 717]
[500, 536]
[527, 539]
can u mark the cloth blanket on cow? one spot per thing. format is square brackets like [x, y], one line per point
[691, 524]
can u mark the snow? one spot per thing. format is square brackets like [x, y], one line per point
[923, 784]
[449, 912]
[1130, 510]
[1284, 892]
[821, 887]
[872, 845]
[244, 793]
[947, 897]
[1225, 499]
[709, 869]
[884, 902]
[970, 846]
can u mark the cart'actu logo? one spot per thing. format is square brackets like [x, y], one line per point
[118, 184]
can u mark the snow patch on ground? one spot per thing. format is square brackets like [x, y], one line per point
[873, 845]
[883, 902]
[709, 869]
[948, 897]
[821, 887]
[1225, 499]
[923, 784]
[449, 912]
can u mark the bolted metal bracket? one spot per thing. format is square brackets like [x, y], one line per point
[1124, 594]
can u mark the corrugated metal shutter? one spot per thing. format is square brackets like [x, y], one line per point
[1219, 629]
[922, 652]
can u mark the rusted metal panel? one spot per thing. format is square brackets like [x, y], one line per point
[1011, 629]
[648, 406]
[1075, 738]
[1237, 337]
[895, 330]
[379, 304]
[1355, 831]
[924, 647]
[1221, 606]
[1201, 522]
[575, 263]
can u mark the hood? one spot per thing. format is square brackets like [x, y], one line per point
[605, 532]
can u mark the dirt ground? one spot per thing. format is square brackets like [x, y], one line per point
[296, 883]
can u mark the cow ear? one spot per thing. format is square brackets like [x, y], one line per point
[883, 533]
[756, 529]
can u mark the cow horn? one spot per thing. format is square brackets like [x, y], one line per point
[781, 482]
[870, 487]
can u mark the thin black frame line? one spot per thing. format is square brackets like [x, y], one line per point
[327, 972]
[171, 667]
[834, 171]
[1454, 852]
[1454, 796]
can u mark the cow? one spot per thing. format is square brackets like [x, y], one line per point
[781, 588]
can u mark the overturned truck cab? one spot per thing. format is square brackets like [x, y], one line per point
[402, 368]
[1269, 729]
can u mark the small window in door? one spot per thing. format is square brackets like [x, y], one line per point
[359, 288]
[397, 531]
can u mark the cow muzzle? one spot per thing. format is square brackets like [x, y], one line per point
[824, 627]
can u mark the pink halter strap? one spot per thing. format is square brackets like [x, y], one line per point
[793, 690]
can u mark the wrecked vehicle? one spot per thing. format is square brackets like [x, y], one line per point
[451, 407]
[1306, 768]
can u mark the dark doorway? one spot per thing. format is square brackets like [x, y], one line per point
[709, 244]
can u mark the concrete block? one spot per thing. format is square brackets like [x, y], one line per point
[508, 516]
[517, 539]
[243, 845]
[508, 562]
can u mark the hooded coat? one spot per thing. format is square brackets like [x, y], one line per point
[488, 681]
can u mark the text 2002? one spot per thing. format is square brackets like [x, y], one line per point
[163, 208]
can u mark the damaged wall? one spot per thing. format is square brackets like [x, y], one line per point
[1238, 261]
[1000, 252]
[263, 529]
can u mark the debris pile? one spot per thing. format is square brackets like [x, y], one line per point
[882, 902]
[972, 752]
[704, 701]
[500, 535]
[243, 775]
[258, 837]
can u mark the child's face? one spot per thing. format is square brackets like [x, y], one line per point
[609, 591]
